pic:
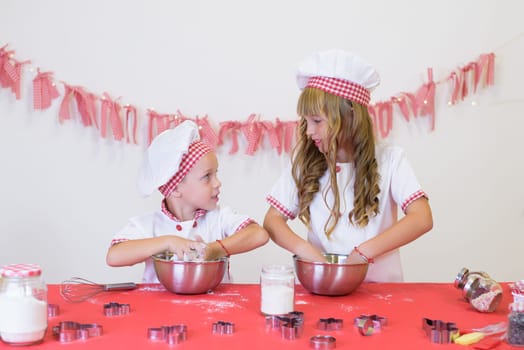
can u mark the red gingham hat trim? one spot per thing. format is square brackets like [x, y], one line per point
[21, 270]
[342, 88]
[195, 151]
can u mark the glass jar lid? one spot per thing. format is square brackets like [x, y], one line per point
[460, 280]
[20, 270]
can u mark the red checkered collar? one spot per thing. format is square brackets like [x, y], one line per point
[340, 87]
[198, 213]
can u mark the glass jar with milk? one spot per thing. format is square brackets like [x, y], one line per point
[23, 304]
[277, 290]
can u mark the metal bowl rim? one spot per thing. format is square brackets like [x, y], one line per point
[157, 257]
[298, 259]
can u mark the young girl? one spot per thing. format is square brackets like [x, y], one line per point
[342, 186]
[184, 170]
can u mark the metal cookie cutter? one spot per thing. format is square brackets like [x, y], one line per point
[52, 310]
[174, 334]
[369, 324]
[291, 325]
[439, 331]
[116, 309]
[275, 322]
[68, 331]
[322, 342]
[292, 328]
[330, 324]
[223, 327]
[296, 314]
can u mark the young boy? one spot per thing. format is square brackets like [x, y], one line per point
[190, 221]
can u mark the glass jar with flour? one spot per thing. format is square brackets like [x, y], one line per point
[23, 304]
[277, 290]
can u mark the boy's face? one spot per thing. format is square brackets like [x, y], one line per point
[200, 187]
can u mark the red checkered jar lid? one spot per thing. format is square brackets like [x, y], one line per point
[20, 270]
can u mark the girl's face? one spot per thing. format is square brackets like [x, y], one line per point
[317, 130]
[201, 187]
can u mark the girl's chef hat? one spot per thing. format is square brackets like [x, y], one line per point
[169, 158]
[339, 73]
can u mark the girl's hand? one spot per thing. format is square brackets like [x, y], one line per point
[355, 258]
[308, 251]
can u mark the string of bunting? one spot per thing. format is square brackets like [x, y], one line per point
[122, 122]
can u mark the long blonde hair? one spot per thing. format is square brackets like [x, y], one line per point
[350, 127]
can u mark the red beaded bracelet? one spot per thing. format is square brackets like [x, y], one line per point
[368, 260]
[223, 247]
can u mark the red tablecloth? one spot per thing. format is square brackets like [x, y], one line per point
[404, 305]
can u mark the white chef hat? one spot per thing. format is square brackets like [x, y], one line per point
[169, 158]
[339, 73]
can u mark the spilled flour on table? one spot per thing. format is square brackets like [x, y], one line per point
[347, 308]
[94, 301]
[383, 297]
[152, 288]
[209, 305]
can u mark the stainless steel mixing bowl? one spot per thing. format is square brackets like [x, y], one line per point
[188, 277]
[334, 277]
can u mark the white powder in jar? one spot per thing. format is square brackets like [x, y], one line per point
[277, 299]
[23, 318]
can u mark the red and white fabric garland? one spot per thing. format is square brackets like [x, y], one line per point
[131, 123]
[471, 74]
[231, 127]
[85, 102]
[207, 133]
[44, 90]
[111, 111]
[10, 71]
[125, 123]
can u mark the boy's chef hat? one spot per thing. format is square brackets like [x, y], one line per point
[339, 73]
[169, 158]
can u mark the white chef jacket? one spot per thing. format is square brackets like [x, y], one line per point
[210, 226]
[398, 187]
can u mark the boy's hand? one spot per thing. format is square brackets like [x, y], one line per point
[197, 251]
[186, 249]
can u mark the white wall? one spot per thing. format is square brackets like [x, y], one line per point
[64, 192]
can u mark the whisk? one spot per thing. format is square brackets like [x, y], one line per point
[78, 289]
